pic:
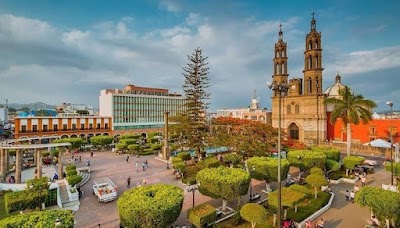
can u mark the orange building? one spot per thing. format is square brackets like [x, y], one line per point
[63, 127]
[364, 133]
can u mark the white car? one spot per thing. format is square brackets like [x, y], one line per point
[105, 190]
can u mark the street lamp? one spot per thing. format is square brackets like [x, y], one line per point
[193, 188]
[252, 169]
[390, 103]
[280, 89]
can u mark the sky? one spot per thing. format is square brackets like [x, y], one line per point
[69, 50]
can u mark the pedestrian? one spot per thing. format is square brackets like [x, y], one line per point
[309, 224]
[143, 166]
[88, 162]
[80, 158]
[129, 182]
[347, 195]
[127, 158]
[320, 223]
[147, 164]
[352, 195]
[137, 166]
[363, 179]
[91, 154]
[356, 188]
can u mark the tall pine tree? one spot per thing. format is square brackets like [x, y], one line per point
[195, 85]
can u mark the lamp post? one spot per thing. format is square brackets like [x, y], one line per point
[390, 103]
[252, 169]
[281, 89]
[193, 188]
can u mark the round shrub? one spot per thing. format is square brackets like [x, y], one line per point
[316, 170]
[72, 173]
[301, 188]
[233, 159]
[185, 156]
[150, 206]
[330, 152]
[352, 161]
[40, 219]
[332, 165]
[266, 168]
[210, 162]
[128, 141]
[306, 159]
[254, 213]
[74, 179]
[176, 160]
[202, 214]
[133, 147]
[70, 167]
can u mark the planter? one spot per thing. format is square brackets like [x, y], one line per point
[346, 180]
[73, 196]
[317, 213]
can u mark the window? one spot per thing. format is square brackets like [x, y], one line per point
[65, 126]
[45, 128]
[309, 85]
[34, 128]
[55, 127]
[73, 126]
[82, 126]
[23, 128]
[90, 126]
[106, 125]
[372, 130]
[310, 64]
[253, 117]
[98, 126]
[297, 109]
[288, 109]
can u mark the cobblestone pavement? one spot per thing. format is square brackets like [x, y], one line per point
[105, 164]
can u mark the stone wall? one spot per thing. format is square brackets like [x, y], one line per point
[360, 149]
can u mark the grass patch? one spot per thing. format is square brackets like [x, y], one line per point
[190, 175]
[306, 209]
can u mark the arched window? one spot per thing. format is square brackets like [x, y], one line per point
[310, 62]
[317, 61]
[316, 45]
[279, 54]
[288, 109]
[310, 45]
[309, 85]
[283, 54]
[297, 109]
[282, 69]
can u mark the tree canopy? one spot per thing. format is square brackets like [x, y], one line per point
[351, 109]
[266, 168]
[40, 219]
[101, 140]
[317, 181]
[254, 213]
[306, 159]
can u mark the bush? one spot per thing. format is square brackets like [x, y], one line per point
[202, 215]
[154, 140]
[266, 168]
[233, 159]
[150, 206]
[37, 183]
[332, 165]
[302, 189]
[70, 167]
[254, 213]
[21, 200]
[45, 153]
[75, 142]
[40, 219]
[72, 173]
[396, 167]
[155, 146]
[129, 136]
[128, 141]
[304, 211]
[176, 159]
[146, 152]
[210, 162]
[330, 152]
[74, 179]
[352, 161]
[179, 166]
[317, 171]
[306, 159]
[185, 156]
[121, 146]
[133, 147]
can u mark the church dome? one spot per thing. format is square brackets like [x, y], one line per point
[333, 90]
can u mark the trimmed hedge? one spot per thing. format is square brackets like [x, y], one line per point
[150, 206]
[332, 165]
[70, 167]
[352, 161]
[266, 168]
[396, 168]
[209, 162]
[185, 156]
[330, 152]
[254, 213]
[306, 159]
[155, 146]
[154, 140]
[40, 219]
[302, 189]
[72, 172]
[233, 159]
[74, 179]
[21, 200]
[202, 215]
[75, 142]
[37, 183]
[176, 160]
[130, 136]
[128, 141]
[317, 171]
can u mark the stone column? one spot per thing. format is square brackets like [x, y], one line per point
[18, 166]
[38, 163]
[2, 168]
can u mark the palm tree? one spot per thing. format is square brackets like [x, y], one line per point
[351, 108]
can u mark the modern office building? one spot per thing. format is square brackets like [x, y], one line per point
[3, 115]
[63, 127]
[253, 112]
[139, 109]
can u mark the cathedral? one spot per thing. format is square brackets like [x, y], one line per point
[304, 116]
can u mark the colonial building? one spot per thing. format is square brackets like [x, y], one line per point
[253, 112]
[302, 106]
[139, 109]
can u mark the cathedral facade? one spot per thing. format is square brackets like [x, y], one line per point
[303, 112]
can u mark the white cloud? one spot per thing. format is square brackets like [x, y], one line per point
[170, 5]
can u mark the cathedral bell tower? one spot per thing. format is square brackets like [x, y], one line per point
[280, 61]
[313, 61]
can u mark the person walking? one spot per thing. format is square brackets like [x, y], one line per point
[352, 195]
[144, 166]
[127, 158]
[363, 180]
[80, 158]
[147, 164]
[347, 195]
[129, 182]
[137, 166]
[91, 154]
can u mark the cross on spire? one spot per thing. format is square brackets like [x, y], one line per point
[280, 32]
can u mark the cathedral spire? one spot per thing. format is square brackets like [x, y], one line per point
[280, 32]
[313, 23]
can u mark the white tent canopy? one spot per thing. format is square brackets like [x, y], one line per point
[379, 143]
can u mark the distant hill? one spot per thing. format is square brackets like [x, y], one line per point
[33, 106]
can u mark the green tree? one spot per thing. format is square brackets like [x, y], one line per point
[101, 140]
[195, 85]
[254, 213]
[352, 161]
[202, 214]
[40, 219]
[290, 198]
[75, 142]
[232, 159]
[316, 170]
[151, 206]
[306, 159]
[351, 109]
[223, 183]
[317, 181]
[266, 169]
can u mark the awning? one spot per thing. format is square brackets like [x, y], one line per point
[379, 143]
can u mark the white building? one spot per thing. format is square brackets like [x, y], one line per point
[138, 107]
[68, 109]
[3, 115]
